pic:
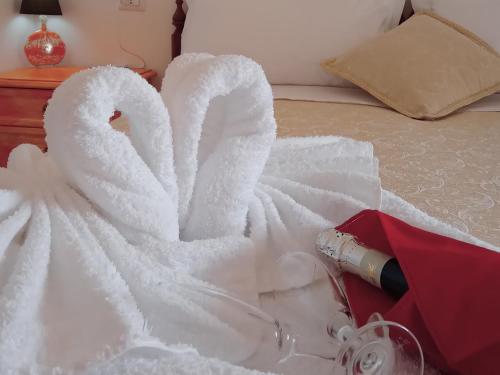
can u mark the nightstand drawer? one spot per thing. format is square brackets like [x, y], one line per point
[23, 107]
[11, 136]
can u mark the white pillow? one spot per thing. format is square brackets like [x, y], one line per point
[482, 17]
[289, 38]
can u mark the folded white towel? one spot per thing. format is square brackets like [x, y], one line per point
[223, 127]
[131, 180]
[90, 260]
[232, 173]
[177, 360]
[104, 240]
[308, 185]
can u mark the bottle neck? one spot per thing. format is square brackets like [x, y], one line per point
[43, 23]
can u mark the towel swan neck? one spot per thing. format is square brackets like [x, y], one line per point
[103, 160]
[223, 127]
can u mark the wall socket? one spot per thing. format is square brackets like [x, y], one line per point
[133, 5]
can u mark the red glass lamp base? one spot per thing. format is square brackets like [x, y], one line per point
[44, 47]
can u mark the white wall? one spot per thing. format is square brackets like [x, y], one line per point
[92, 30]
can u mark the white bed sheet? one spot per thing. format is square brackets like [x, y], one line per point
[354, 95]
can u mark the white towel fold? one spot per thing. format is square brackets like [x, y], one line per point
[132, 179]
[90, 260]
[177, 360]
[308, 185]
[104, 240]
[223, 126]
[230, 168]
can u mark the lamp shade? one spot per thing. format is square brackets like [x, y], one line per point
[41, 7]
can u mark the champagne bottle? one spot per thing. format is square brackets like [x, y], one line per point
[379, 269]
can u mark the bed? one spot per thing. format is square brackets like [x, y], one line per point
[120, 241]
[448, 168]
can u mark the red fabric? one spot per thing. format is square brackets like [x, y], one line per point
[453, 302]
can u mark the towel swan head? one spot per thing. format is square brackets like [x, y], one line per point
[110, 168]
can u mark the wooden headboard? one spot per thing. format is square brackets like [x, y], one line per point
[179, 19]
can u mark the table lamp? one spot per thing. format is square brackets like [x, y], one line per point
[43, 47]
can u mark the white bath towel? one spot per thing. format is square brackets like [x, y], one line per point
[177, 360]
[104, 240]
[308, 185]
[232, 173]
[91, 265]
[131, 180]
[223, 129]
[74, 290]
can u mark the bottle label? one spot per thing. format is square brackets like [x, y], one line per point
[371, 266]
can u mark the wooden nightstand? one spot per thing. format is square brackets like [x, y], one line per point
[23, 99]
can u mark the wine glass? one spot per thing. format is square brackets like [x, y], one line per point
[331, 343]
[309, 328]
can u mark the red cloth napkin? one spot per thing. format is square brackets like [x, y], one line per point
[453, 302]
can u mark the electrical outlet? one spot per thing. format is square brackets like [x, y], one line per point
[133, 5]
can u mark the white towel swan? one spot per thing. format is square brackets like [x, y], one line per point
[90, 263]
[103, 239]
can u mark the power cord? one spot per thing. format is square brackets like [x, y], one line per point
[127, 51]
[133, 54]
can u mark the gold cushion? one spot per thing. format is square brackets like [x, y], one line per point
[425, 68]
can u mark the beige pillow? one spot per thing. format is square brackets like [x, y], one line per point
[425, 68]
